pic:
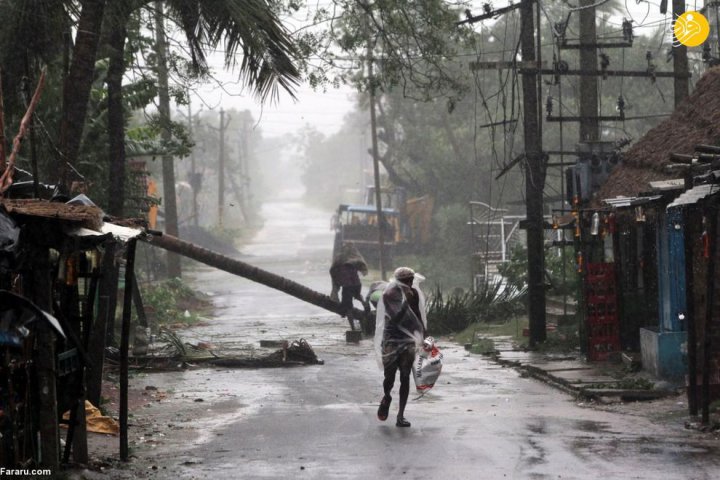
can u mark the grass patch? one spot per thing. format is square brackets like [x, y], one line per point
[510, 328]
[559, 341]
[456, 311]
[172, 302]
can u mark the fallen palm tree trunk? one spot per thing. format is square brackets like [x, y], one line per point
[245, 270]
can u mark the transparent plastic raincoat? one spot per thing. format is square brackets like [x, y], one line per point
[394, 307]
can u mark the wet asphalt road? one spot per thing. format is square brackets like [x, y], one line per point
[481, 420]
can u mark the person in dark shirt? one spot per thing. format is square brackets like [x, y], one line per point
[345, 275]
[400, 326]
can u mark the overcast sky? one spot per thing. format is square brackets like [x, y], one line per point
[325, 110]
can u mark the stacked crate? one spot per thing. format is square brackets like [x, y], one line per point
[602, 313]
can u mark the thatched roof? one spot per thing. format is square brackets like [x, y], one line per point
[88, 216]
[695, 121]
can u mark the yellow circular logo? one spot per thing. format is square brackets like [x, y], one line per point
[691, 29]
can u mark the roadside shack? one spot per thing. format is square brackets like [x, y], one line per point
[660, 207]
[58, 278]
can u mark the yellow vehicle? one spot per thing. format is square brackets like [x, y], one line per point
[406, 224]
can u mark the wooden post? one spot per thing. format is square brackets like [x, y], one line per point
[140, 342]
[680, 60]
[534, 180]
[711, 212]
[80, 449]
[589, 127]
[124, 347]
[40, 293]
[376, 163]
[690, 320]
[98, 332]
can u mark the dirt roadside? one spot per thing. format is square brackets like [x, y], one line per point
[158, 418]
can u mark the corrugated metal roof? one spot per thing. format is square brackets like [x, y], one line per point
[123, 234]
[630, 201]
[370, 209]
[664, 185]
[694, 194]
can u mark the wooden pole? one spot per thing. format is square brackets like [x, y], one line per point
[125, 346]
[690, 313]
[140, 343]
[589, 126]
[221, 169]
[680, 60]
[534, 181]
[376, 163]
[41, 291]
[98, 333]
[711, 212]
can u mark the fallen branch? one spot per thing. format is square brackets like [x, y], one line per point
[6, 179]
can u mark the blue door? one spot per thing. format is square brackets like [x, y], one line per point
[671, 271]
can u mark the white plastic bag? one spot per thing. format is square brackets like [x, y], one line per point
[427, 366]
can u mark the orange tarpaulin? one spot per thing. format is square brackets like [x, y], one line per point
[96, 421]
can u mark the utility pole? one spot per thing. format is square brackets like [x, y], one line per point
[194, 180]
[221, 169]
[376, 162]
[221, 166]
[245, 167]
[680, 60]
[589, 125]
[168, 168]
[534, 179]
[534, 159]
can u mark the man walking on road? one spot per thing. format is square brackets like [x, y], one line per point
[400, 325]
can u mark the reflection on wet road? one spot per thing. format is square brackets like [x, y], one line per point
[480, 421]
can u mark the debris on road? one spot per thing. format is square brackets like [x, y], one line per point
[296, 353]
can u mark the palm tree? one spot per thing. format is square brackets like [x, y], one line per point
[249, 27]
[245, 270]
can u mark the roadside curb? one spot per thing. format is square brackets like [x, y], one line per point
[591, 392]
[538, 374]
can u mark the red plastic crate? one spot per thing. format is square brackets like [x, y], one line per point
[603, 325]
